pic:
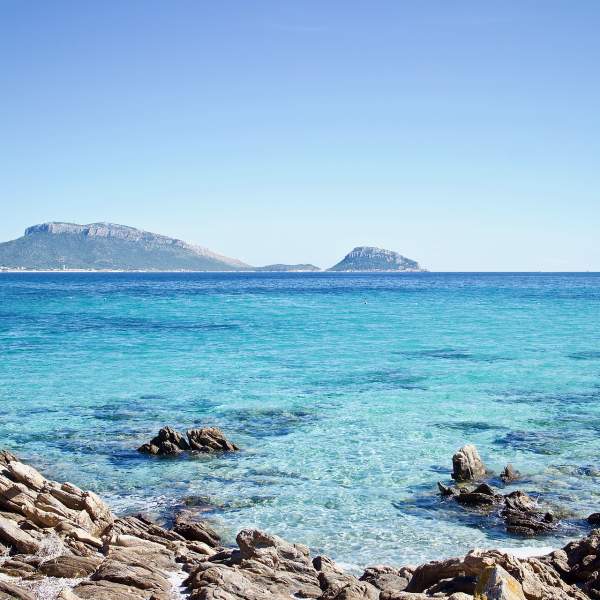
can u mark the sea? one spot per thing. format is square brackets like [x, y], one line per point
[347, 393]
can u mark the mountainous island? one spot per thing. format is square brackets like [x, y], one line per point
[110, 247]
[369, 258]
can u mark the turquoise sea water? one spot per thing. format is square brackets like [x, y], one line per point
[348, 393]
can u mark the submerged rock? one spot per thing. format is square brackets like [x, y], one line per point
[519, 511]
[169, 442]
[467, 464]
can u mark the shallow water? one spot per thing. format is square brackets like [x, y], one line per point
[348, 393]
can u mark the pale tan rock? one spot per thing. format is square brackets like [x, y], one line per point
[467, 464]
[27, 475]
[14, 536]
[99, 512]
[495, 583]
[11, 591]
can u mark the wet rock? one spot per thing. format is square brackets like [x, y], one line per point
[209, 439]
[509, 474]
[195, 531]
[482, 495]
[519, 511]
[169, 442]
[594, 519]
[447, 491]
[522, 516]
[467, 464]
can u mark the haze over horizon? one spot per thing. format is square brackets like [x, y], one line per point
[463, 136]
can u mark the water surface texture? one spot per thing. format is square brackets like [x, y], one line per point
[348, 393]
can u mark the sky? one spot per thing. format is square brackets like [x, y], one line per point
[463, 134]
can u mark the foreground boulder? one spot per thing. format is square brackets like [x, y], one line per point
[169, 442]
[467, 464]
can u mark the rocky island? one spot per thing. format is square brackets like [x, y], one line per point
[369, 258]
[108, 246]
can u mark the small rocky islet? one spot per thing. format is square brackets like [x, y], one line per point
[60, 542]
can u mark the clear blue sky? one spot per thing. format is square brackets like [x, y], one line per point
[463, 134]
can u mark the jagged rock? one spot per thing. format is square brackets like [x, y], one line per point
[290, 562]
[332, 578]
[388, 579]
[509, 474]
[519, 511]
[169, 442]
[209, 439]
[495, 583]
[482, 495]
[467, 464]
[195, 531]
[522, 515]
[446, 490]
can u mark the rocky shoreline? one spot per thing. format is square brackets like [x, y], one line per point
[60, 542]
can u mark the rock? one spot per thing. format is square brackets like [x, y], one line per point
[133, 576]
[447, 491]
[108, 590]
[10, 591]
[467, 464]
[169, 442]
[523, 517]
[594, 519]
[26, 474]
[460, 584]
[13, 535]
[388, 579]
[195, 531]
[99, 513]
[72, 567]
[509, 474]
[495, 583]
[209, 439]
[482, 495]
